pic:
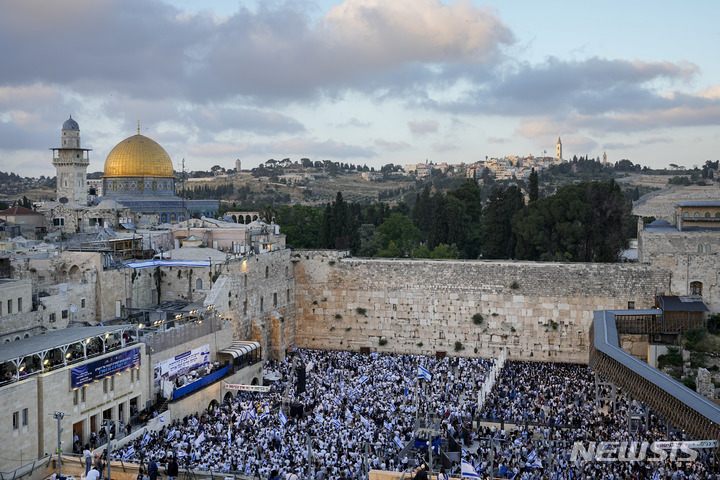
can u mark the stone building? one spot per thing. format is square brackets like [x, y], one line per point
[688, 248]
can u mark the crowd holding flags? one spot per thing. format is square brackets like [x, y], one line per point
[282, 418]
[424, 373]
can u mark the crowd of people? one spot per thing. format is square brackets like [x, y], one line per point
[360, 412]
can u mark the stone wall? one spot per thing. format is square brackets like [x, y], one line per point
[537, 310]
[678, 253]
[257, 293]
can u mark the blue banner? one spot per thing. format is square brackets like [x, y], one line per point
[99, 369]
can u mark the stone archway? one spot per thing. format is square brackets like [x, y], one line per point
[228, 398]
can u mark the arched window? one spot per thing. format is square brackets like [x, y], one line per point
[697, 215]
[198, 284]
[707, 248]
[707, 214]
[686, 214]
[695, 288]
[700, 248]
[717, 214]
[267, 272]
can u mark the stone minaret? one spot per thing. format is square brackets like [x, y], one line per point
[558, 150]
[604, 158]
[71, 164]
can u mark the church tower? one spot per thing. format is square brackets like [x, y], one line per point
[558, 150]
[71, 164]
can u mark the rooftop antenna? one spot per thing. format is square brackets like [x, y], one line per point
[138, 127]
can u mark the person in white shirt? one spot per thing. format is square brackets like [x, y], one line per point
[93, 474]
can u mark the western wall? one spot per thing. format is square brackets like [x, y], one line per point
[539, 311]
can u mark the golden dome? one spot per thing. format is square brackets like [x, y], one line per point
[138, 156]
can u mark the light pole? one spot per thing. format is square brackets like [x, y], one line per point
[59, 416]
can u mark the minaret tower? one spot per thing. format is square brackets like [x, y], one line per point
[604, 158]
[558, 150]
[71, 164]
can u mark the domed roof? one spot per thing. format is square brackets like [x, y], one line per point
[70, 124]
[138, 156]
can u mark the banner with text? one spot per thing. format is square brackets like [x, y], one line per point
[99, 369]
[182, 364]
[248, 388]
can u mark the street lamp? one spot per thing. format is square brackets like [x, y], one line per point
[59, 416]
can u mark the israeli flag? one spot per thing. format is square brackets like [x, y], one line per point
[468, 470]
[129, 452]
[146, 439]
[392, 407]
[171, 434]
[181, 453]
[517, 441]
[251, 413]
[264, 416]
[336, 422]
[200, 439]
[398, 442]
[424, 373]
[337, 401]
[532, 456]
[365, 421]
[535, 463]
[162, 418]
[388, 426]
[282, 417]
[363, 379]
[348, 415]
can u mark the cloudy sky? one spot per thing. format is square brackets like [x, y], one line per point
[361, 81]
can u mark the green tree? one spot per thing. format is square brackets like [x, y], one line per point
[587, 222]
[301, 225]
[399, 230]
[422, 212]
[339, 227]
[499, 239]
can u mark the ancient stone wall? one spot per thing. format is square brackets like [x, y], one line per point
[257, 293]
[540, 311]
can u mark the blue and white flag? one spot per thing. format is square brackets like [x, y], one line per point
[468, 470]
[146, 438]
[536, 463]
[282, 417]
[264, 416]
[337, 400]
[171, 434]
[517, 441]
[531, 456]
[251, 413]
[162, 418]
[336, 422]
[363, 379]
[319, 418]
[398, 442]
[387, 425]
[392, 407]
[365, 421]
[129, 452]
[424, 373]
[181, 454]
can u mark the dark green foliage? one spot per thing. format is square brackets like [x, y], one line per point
[499, 238]
[399, 230]
[672, 358]
[690, 383]
[301, 225]
[478, 318]
[458, 346]
[581, 223]
[713, 324]
[339, 226]
[696, 335]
